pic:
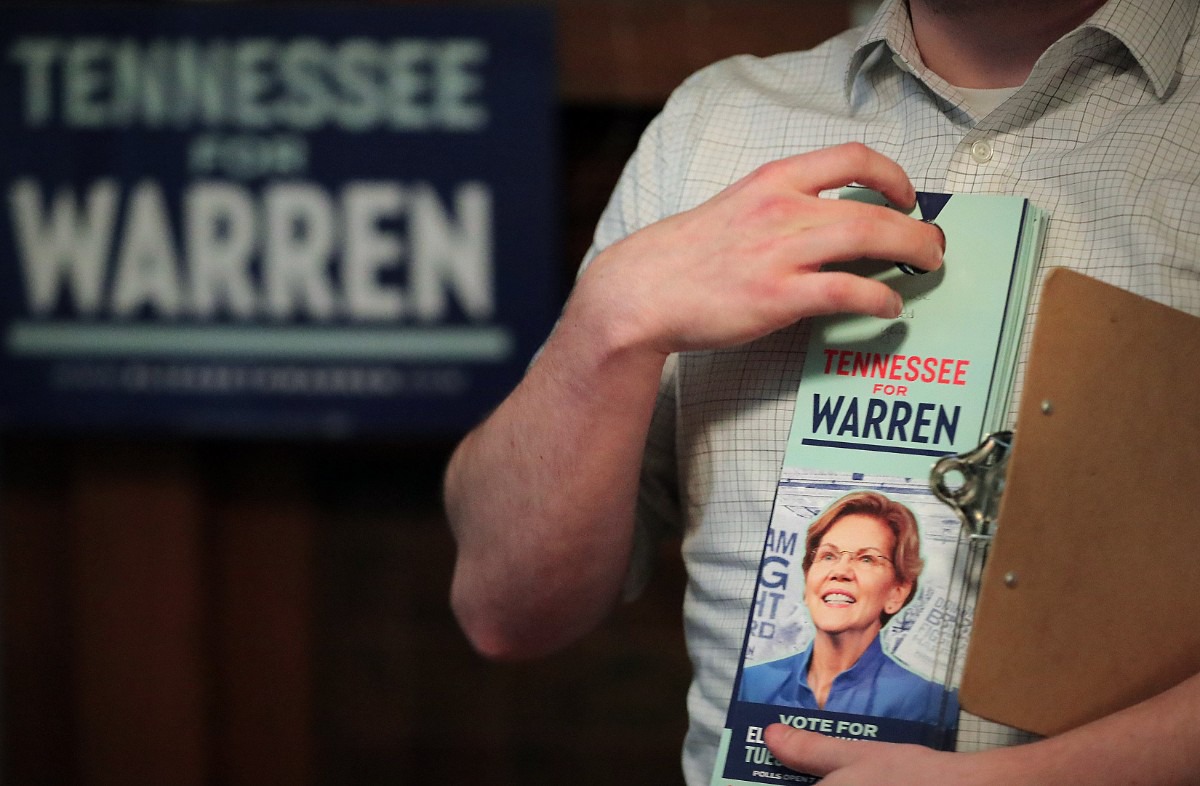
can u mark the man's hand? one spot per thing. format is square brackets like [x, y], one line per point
[1153, 742]
[748, 261]
[866, 763]
[538, 568]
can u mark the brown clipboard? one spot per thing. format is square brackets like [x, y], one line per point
[1090, 597]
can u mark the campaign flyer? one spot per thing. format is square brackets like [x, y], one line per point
[858, 604]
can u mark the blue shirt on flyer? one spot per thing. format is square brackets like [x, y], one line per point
[875, 685]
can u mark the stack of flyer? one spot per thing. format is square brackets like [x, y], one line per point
[857, 609]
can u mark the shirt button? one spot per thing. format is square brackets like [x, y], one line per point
[981, 151]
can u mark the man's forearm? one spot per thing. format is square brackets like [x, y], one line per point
[1156, 743]
[541, 496]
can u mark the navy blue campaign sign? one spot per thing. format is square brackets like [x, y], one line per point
[273, 220]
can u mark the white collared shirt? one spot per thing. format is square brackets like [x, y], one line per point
[1104, 135]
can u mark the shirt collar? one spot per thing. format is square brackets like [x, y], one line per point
[1156, 47]
[889, 28]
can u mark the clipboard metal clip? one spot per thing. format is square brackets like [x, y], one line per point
[972, 483]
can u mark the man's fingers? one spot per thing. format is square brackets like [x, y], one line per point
[847, 762]
[814, 294]
[841, 165]
[813, 753]
[872, 232]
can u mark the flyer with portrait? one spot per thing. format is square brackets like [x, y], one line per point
[858, 605]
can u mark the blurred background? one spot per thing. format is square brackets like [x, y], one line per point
[226, 603]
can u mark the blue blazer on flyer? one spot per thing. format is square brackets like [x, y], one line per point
[875, 685]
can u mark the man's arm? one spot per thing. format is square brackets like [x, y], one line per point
[541, 495]
[1154, 742]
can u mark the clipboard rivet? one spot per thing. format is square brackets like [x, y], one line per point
[1010, 580]
[1047, 406]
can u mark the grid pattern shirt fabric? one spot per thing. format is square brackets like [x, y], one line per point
[1104, 136]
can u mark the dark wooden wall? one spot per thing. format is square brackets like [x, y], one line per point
[249, 613]
[189, 612]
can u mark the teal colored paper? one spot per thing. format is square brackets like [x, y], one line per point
[961, 324]
[955, 314]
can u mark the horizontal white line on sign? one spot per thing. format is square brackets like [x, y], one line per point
[65, 339]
